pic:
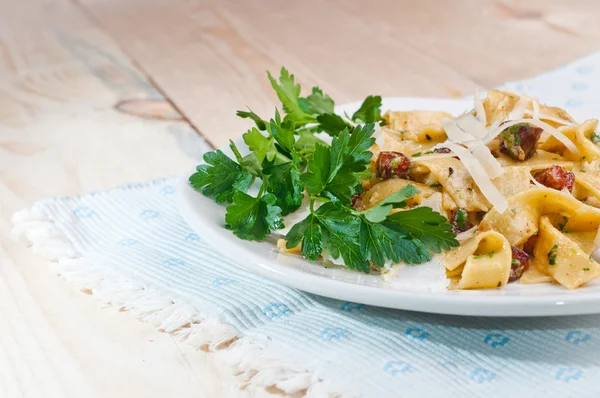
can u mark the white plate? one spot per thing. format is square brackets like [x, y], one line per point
[207, 219]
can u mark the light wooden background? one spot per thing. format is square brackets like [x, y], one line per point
[94, 93]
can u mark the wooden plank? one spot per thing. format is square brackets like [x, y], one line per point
[211, 55]
[76, 115]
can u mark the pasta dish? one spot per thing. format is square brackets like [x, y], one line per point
[519, 182]
[507, 191]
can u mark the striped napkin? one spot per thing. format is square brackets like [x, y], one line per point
[131, 248]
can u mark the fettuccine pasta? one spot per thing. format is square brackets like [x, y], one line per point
[519, 182]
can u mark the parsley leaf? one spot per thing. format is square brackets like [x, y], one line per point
[307, 232]
[284, 183]
[288, 93]
[221, 178]
[552, 255]
[461, 218]
[380, 237]
[332, 228]
[306, 143]
[426, 225]
[343, 186]
[369, 111]
[253, 218]
[357, 151]
[380, 212]
[318, 170]
[334, 171]
[341, 235]
[331, 123]
[318, 102]
[260, 123]
[283, 133]
[263, 147]
[384, 241]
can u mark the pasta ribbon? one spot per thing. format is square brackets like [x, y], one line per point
[581, 136]
[563, 259]
[418, 126]
[521, 221]
[383, 189]
[486, 261]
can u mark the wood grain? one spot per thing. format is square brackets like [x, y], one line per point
[77, 115]
[211, 55]
[95, 93]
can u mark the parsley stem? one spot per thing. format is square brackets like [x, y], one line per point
[262, 189]
[282, 158]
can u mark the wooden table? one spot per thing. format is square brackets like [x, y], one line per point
[94, 93]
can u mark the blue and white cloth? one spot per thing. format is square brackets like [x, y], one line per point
[137, 232]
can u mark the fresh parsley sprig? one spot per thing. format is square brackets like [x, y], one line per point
[288, 160]
[369, 236]
[316, 111]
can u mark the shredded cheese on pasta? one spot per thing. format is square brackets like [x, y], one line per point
[481, 178]
[538, 123]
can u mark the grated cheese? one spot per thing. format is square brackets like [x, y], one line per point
[519, 109]
[455, 133]
[469, 129]
[481, 116]
[481, 178]
[596, 254]
[538, 123]
[542, 116]
[470, 125]
[536, 109]
[483, 154]
[468, 234]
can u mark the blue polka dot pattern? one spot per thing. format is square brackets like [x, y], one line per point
[577, 337]
[192, 237]
[83, 212]
[350, 307]
[568, 374]
[276, 310]
[397, 367]
[496, 340]
[416, 333]
[149, 214]
[334, 333]
[173, 262]
[223, 281]
[481, 375]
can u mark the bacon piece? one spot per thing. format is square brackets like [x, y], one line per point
[556, 177]
[519, 141]
[459, 219]
[392, 164]
[530, 245]
[519, 264]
